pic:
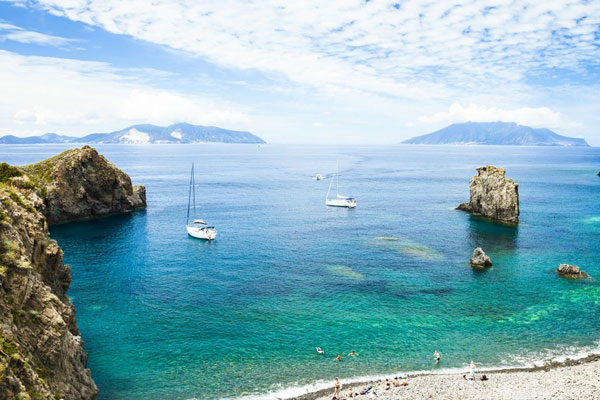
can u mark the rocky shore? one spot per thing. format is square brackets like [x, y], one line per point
[572, 379]
[41, 350]
[493, 196]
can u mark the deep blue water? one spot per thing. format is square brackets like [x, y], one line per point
[164, 316]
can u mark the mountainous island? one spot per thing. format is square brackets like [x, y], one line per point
[496, 133]
[145, 134]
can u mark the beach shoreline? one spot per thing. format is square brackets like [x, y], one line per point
[436, 383]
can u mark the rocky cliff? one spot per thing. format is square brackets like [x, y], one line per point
[493, 196]
[80, 183]
[41, 350]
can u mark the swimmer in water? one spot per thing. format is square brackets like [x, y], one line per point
[437, 357]
[320, 351]
[353, 353]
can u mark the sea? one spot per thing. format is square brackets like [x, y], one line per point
[166, 316]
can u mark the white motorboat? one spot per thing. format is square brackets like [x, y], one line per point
[198, 228]
[339, 200]
[318, 177]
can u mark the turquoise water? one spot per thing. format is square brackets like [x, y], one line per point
[165, 316]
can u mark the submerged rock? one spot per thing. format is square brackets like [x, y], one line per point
[480, 259]
[493, 196]
[42, 355]
[80, 183]
[571, 271]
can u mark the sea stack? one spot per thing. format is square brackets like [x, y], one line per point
[479, 259]
[42, 355]
[493, 196]
[571, 271]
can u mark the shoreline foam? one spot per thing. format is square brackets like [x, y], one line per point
[321, 389]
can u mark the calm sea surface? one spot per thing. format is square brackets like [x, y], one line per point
[165, 316]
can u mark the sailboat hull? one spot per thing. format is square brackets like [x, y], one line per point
[201, 233]
[341, 203]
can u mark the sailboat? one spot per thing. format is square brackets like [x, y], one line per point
[198, 228]
[339, 200]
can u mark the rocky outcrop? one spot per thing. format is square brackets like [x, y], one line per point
[479, 259]
[493, 196]
[42, 355]
[571, 271]
[80, 183]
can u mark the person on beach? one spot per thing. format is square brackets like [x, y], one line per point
[336, 391]
[396, 382]
[437, 357]
[353, 353]
[338, 358]
[472, 370]
[350, 393]
[388, 385]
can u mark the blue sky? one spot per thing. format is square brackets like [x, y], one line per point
[299, 72]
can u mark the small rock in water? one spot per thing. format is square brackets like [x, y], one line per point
[571, 271]
[480, 259]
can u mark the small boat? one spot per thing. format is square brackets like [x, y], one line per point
[318, 177]
[339, 200]
[198, 228]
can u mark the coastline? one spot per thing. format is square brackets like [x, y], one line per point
[452, 384]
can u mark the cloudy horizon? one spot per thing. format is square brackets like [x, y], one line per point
[342, 72]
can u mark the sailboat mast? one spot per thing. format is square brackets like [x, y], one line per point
[187, 220]
[194, 189]
[337, 180]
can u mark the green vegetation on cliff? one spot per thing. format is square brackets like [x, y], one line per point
[7, 172]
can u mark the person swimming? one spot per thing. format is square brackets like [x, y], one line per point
[319, 350]
[338, 358]
[437, 357]
[353, 353]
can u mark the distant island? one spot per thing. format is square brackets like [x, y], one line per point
[145, 134]
[496, 133]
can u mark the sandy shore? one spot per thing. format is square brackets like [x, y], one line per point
[572, 379]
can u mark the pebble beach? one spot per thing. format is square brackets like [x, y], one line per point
[569, 380]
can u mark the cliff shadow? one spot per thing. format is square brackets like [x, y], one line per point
[492, 235]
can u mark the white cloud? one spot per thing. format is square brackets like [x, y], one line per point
[369, 62]
[18, 34]
[542, 116]
[76, 97]
[413, 49]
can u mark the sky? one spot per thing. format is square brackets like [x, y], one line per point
[321, 72]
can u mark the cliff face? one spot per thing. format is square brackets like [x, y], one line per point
[80, 183]
[41, 350]
[493, 196]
